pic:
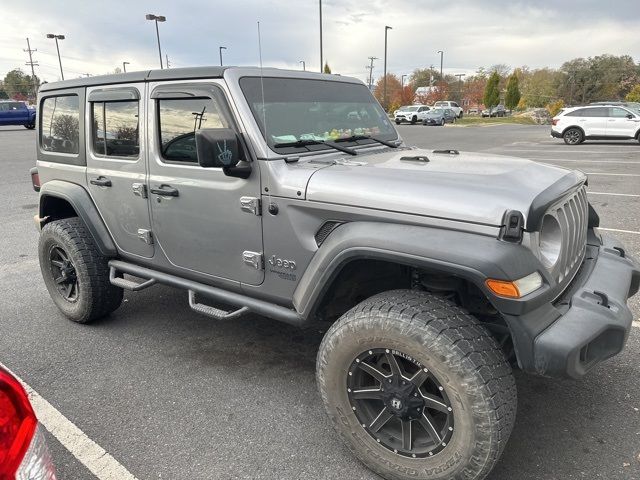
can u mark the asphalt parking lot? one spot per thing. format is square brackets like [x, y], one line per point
[171, 394]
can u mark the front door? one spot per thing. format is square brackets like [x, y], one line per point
[116, 174]
[620, 125]
[198, 219]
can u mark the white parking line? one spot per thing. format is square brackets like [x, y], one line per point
[88, 452]
[619, 231]
[573, 160]
[636, 324]
[615, 194]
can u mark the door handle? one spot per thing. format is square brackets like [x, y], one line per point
[100, 181]
[165, 190]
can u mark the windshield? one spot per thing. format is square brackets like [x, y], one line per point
[302, 110]
[435, 111]
[409, 109]
[440, 104]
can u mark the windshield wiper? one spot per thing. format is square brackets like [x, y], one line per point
[367, 137]
[304, 143]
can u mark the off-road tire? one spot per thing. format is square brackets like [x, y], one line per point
[573, 136]
[457, 349]
[96, 297]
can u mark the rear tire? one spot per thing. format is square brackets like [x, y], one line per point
[75, 273]
[573, 136]
[31, 126]
[461, 115]
[442, 122]
[467, 376]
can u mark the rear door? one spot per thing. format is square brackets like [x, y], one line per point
[116, 172]
[4, 113]
[620, 125]
[200, 216]
[593, 121]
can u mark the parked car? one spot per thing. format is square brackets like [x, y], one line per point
[577, 124]
[635, 106]
[17, 113]
[23, 448]
[473, 111]
[439, 271]
[411, 114]
[497, 111]
[395, 112]
[457, 109]
[439, 116]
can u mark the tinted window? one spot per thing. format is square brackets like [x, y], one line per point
[16, 106]
[115, 130]
[60, 121]
[4, 106]
[454, 104]
[595, 112]
[178, 122]
[575, 113]
[619, 112]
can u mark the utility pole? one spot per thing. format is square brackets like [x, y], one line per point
[402, 81]
[441, 57]
[384, 80]
[321, 63]
[167, 60]
[32, 64]
[431, 75]
[370, 67]
[460, 75]
[304, 65]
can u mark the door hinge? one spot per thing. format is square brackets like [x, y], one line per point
[251, 205]
[146, 236]
[140, 190]
[253, 259]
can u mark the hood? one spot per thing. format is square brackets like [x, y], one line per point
[469, 187]
[404, 112]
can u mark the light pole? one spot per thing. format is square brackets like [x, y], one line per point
[321, 64]
[384, 88]
[402, 81]
[157, 18]
[441, 57]
[304, 65]
[58, 37]
[124, 66]
[220, 50]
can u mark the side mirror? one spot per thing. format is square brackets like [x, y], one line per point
[630, 116]
[217, 148]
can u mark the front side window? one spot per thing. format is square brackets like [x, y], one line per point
[299, 114]
[178, 121]
[115, 130]
[60, 122]
[619, 112]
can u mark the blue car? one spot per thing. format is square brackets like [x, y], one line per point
[17, 113]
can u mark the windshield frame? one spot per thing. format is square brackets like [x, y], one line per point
[250, 94]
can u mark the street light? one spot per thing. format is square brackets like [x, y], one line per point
[402, 81]
[220, 50]
[304, 65]
[58, 37]
[157, 18]
[384, 88]
[124, 66]
[441, 56]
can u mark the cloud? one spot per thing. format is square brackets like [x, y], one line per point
[101, 35]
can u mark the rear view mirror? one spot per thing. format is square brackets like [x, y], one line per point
[217, 148]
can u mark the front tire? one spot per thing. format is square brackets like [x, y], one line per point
[414, 119]
[442, 122]
[30, 126]
[573, 136]
[75, 273]
[450, 398]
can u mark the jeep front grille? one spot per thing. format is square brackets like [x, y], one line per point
[572, 215]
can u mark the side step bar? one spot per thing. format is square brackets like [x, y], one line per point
[151, 277]
[213, 312]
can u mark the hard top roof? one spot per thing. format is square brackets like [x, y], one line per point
[185, 74]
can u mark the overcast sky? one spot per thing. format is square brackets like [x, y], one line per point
[472, 33]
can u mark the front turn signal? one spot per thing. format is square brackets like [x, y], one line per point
[516, 289]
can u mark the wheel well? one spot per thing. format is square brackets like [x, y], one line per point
[363, 278]
[55, 208]
[573, 126]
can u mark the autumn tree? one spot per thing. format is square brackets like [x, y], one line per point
[404, 96]
[474, 89]
[539, 87]
[394, 87]
[634, 94]
[491, 96]
[512, 97]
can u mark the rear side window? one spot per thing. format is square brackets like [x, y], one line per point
[178, 120]
[115, 129]
[60, 122]
[593, 112]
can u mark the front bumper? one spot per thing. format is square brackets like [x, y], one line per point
[589, 323]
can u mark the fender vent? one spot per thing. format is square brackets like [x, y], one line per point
[324, 231]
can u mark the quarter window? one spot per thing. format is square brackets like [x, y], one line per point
[115, 129]
[60, 123]
[178, 121]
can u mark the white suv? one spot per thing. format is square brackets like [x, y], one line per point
[611, 122]
[457, 109]
[411, 114]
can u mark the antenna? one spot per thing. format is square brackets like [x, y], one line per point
[264, 111]
[32, 64]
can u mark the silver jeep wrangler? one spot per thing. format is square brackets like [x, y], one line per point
[290, 195]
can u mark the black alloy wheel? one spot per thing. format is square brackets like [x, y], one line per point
[64, 273]
[400, 403]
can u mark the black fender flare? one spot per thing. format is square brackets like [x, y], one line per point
[81, 202]
[474, 257]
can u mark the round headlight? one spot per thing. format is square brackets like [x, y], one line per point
[550, 241]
